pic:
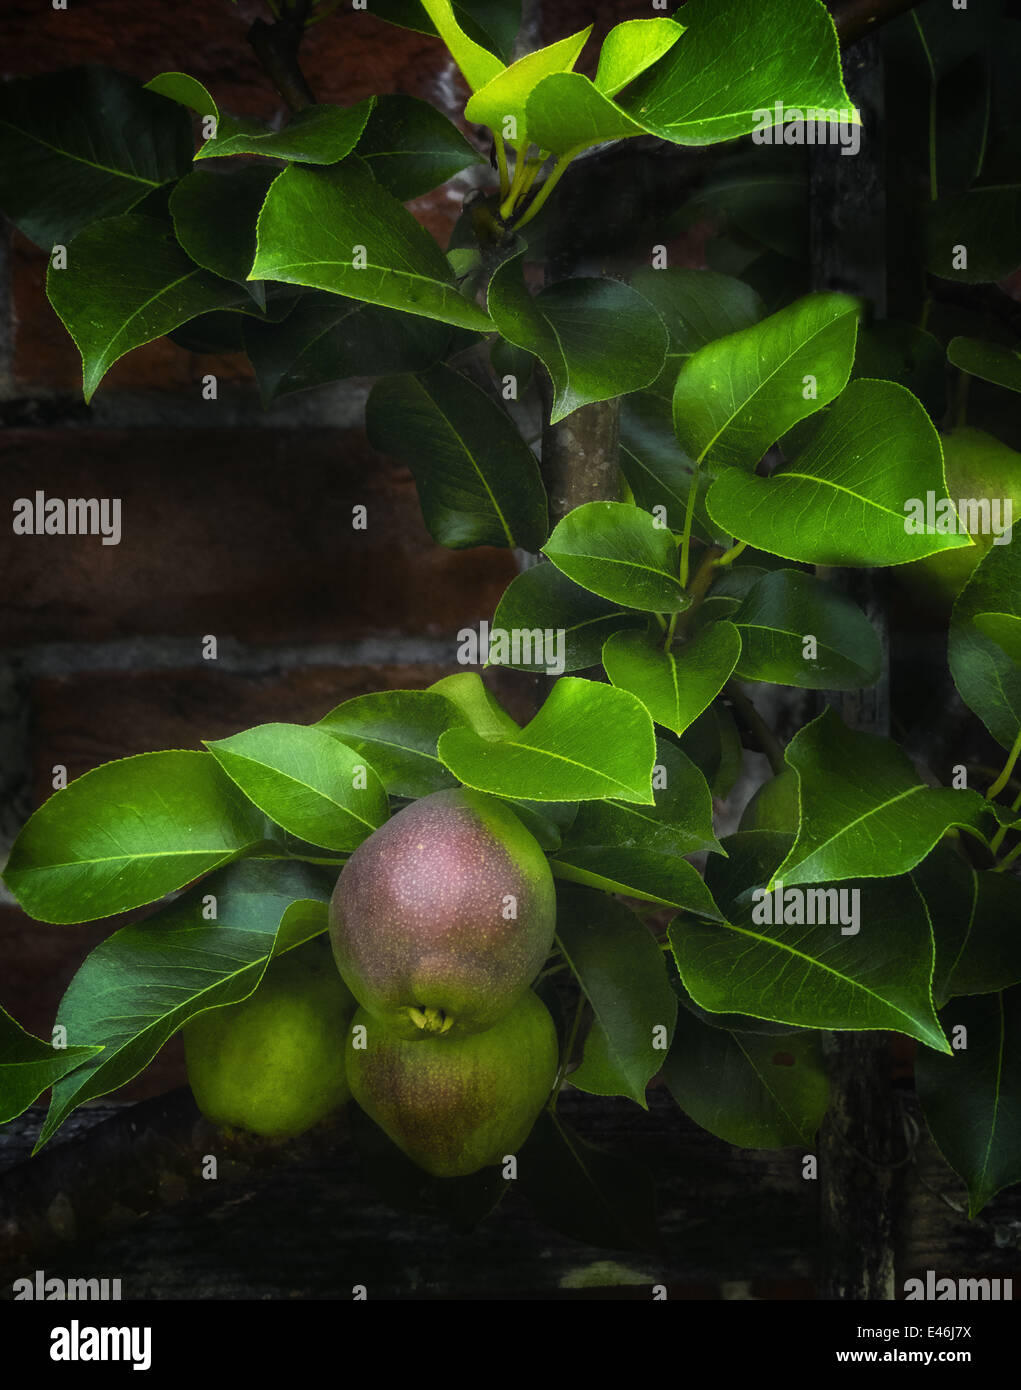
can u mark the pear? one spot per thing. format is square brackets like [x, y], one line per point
[442, 918]
[456, 1106]
[274, 1063]
[978, 467]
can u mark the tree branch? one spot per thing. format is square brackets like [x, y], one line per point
[276, 46]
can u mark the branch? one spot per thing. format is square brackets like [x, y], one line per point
[146, 1157]
[276, 46]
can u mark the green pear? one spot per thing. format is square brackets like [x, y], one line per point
[274, 1063]
[442, 918]
[455, 1106]
[978, 467]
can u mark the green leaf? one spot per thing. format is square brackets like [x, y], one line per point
[328, 338]
[782, 610]
[658, 471]
[306, 781]
[990, 361]
[506, 94]
[492, 23]
[984, 225]
[679, 821]
[810, 976]
[544, 600]
[754, 1090]
[81, 145]
[737, 395]
[128, 282]
[639, 851]
[972, 1099]
[714, 746]
[480, 707]
[736, 60]
[630, 48]
[186, 90]
[398, 730]
[674, 686]
[315, 222]
[698, 306]
[29, 1066]
[566, 113]
[137, 988]
[411, 148]
[316, 135]
[987, 676]
[585, 1191]
[128, 833]
[597, 338]
[974, 922]
[214, 216]
[478, 65]
[563, 754]
[864, 813]
[478, 481]
[620, 969]
[621, 554]
[851, 496]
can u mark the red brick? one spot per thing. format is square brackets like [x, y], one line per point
[240, 533]
[86, 719]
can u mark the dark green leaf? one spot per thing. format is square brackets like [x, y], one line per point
[982, 229]
[972, 1099]
[990, 361]
[620, 969]
[542, 599]
[754, 1090]
[128, 282]
[787, 607]
[397, 730]
[215, 213]
[988, 677]
[478, 481]
[29, 1066]
[410, 147]
[597, 338]
[316, 135]
[81, 145]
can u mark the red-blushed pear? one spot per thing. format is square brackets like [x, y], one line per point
[442, 918]
[274, 1064]
[456, 1106]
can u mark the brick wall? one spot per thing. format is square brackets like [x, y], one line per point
[236, 521]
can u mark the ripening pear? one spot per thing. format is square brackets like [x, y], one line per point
[456, 1106]
[274, 1063]
[442, 918]
[978, 468]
